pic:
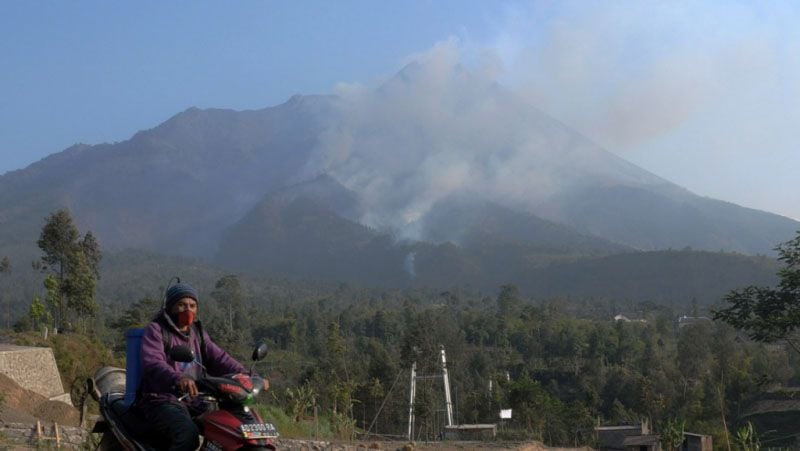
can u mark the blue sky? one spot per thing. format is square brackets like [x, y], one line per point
[705, 94]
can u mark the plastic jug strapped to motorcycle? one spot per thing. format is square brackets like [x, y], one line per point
[133, 365]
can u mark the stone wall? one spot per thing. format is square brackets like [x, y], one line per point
[34, 369]
[317, 445]
[27, 434]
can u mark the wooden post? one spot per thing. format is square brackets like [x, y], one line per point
[40, 434]
[316, 419]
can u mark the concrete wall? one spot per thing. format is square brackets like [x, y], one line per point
[34, 369]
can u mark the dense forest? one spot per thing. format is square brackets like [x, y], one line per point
[563, 365]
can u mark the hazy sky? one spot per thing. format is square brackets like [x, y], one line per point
[705, 94]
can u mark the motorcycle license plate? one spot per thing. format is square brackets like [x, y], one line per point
[259, 430]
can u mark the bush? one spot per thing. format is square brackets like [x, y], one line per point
[77, 357]
[288, 428]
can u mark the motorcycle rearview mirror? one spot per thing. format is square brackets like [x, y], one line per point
[260, 352]
[181, 354]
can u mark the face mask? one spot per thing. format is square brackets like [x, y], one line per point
[185, 318]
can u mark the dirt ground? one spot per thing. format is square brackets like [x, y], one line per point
[431, 446]
[24, 406]
[472, 446]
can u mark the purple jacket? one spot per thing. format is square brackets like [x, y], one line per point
[160, 375]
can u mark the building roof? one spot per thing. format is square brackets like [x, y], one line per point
[692, 434]
[619, 428]
[471, 426]
[641, 440]
[768, 406]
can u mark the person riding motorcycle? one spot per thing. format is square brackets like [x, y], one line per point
[163, 378]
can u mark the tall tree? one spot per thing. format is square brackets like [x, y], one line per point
[74, 262]
[769, 314]
[5, 268]
[228, 293]
[232, 329]
[37, 313]
[79, 285]
[53, 298]
[509, 301]
[91, 250]
[57, 241]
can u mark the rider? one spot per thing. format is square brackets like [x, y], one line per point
[162, 378]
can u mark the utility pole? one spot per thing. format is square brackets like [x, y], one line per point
[448, 402]
[411, 402]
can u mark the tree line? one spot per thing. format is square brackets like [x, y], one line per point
[562, 365]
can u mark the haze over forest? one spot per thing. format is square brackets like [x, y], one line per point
[438, 177]
[484, 155]
[560, 194]
[709, 111]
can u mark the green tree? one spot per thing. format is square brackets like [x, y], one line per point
[37, 312]
[282, 331]
[232, 328]
[228, 293]
[694, 356]
[74, 263]
[672, 433]
[52, 298]
[337, 381]
[91, 250]
[529, 400]
[300, 400]
[5, 268]
[79, 286]
[139, 314]
[746, 438]
[769, 314]
[509, 301]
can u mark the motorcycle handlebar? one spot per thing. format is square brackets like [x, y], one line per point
[212, 391]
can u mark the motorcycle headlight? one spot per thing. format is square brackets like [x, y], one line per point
[249, 400]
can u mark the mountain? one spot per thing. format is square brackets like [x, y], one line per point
[657, 219]
[473, 222]
[436, 177]
[171, 188]
[293, 233]
[297, 236]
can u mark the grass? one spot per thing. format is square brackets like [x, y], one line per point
[288, 428]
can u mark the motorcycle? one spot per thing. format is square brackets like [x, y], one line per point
[221, 411]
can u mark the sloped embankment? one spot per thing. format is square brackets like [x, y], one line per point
[24, 406]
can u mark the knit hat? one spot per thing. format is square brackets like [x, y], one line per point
[177, 292]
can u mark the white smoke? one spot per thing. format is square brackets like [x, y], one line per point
[435, 129]
[639, 79]
[408, 265]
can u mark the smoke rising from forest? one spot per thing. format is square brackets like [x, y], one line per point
[458, 117]
[433, 130]
[439, 128]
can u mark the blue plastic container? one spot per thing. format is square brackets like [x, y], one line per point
[133, 363]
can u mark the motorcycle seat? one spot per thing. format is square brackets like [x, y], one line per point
[136, 425]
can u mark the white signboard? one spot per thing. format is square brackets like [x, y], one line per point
[505, 414]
